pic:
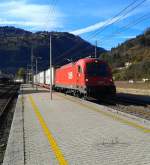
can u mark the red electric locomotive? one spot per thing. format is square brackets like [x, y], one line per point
[88, 76]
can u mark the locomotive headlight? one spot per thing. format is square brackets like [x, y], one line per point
[86, 80]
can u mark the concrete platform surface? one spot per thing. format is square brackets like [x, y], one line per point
[66, 131]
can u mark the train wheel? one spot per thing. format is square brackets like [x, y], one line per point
[84, 96]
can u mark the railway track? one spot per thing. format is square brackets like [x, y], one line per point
[132, 104]
[138, 106]
[8, 95]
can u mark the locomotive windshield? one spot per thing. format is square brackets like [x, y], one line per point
[98, 69]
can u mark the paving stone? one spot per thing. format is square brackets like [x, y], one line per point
[85, 137]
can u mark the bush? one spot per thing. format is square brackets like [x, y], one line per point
[136, 71]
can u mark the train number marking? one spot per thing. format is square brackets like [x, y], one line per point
[70, 75]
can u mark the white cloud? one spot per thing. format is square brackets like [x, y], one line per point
[34, 16]
[107, 22]
[125, 37]
[98, 25]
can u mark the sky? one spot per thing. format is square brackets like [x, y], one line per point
[91, 19]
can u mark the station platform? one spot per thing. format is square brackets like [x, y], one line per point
[71, 131]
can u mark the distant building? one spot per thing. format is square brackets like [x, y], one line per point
[131, 81]
[120, 68]
[145, 79]
[127, 64]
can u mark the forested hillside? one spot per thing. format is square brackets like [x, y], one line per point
[131, 59]
[16, 45]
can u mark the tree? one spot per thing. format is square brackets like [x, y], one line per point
[147, 31]
[21, 73]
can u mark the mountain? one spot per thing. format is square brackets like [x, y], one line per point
[16, 46]
[131, 59]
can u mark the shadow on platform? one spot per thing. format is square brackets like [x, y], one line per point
[123, 99]
[34, 91]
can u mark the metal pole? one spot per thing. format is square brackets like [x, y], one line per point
[32, 66]
[27, 75]
[29, 78]
[36, 72]
[51, 67]
[96, 49]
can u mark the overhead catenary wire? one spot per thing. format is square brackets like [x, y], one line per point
[51, 11]
[124, 28]
[53, 7]
[117, 15]
[119, 19]
[121, 13]
[128, 26]
[52, 14]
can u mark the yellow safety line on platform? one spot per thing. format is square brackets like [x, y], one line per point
[48, 134]
[111, 115]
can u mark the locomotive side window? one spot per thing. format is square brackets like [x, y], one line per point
[97, 69]
[79, 69]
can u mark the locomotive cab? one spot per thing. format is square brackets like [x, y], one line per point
[98, 78]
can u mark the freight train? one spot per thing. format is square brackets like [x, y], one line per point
[85, 77]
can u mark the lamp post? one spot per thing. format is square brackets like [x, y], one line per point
[28, 73]
[36, 65]
[32, 70]
[51, 96]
